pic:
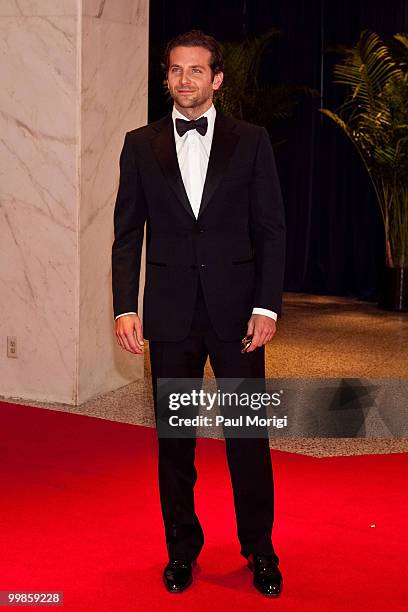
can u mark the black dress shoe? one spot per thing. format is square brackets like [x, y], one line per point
[267, 577]
[177, 575]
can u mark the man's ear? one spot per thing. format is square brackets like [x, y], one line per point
[217, 80]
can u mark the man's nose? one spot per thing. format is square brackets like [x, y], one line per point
[184, 78]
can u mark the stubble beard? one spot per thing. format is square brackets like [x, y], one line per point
[191, 103]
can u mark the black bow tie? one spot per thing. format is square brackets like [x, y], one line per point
[183, 126]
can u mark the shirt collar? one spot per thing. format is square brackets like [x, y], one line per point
[210, 114]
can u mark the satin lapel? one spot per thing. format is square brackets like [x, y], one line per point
[222, 148]
[164, 148]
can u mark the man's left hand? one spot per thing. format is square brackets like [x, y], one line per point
[262, 329]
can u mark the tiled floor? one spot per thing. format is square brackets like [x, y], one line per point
[318, 337]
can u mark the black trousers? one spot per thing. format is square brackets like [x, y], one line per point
[249, 459]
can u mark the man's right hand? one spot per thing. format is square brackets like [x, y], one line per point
[129, 333]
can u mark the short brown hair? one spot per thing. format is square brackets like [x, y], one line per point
[195, 38]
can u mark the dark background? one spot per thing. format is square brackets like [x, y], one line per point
[334, 231]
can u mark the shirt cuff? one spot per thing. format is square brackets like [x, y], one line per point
[266, 313]
[123, 314]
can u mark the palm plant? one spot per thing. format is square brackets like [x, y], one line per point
[374, 116]
[244, 96]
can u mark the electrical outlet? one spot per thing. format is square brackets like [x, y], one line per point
[12, 346]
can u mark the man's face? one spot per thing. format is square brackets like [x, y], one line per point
[189, 77]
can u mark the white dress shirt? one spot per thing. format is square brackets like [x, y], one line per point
[193, 153]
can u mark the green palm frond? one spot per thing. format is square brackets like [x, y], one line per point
[374, 116]
[366, 70]
[241, 61]
[403, 40]
[243, 96]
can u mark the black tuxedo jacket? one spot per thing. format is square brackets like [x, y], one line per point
[236, 246]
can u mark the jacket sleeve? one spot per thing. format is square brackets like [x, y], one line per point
[129, 218]
[268, 230]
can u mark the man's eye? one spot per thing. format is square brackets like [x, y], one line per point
[196, 70]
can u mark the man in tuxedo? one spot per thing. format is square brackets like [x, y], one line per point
[207, 188]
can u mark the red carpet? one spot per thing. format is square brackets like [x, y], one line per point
[77, 493]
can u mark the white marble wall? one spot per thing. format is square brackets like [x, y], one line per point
[114, 100]
[74, 80]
